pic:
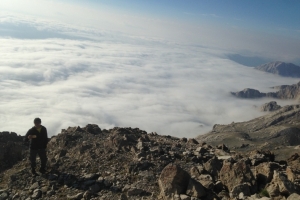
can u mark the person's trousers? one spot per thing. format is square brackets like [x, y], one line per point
[43, 157]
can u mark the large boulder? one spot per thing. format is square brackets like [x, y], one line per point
[173, 180]
[213, 167]
[236, 174]
[294, 196]
[281, 185]
[264, 173]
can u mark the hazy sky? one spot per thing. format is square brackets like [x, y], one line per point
[158, 65]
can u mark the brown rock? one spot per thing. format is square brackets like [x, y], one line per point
[294, 196]
[290, 174]
[192, 141]
[280, 184]
[264, 173]
[238, 173]
[195, 189]
[173, 180]
[206, 180]
[213, 167]
[238, 189]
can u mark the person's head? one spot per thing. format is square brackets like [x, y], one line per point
[37, 122]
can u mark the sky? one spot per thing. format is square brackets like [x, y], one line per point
[163, 66]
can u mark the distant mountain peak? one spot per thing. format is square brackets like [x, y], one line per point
[281, 68]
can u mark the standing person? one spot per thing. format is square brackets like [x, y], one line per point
[38, 143]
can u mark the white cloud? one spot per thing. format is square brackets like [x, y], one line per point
[84, 70]
[171, 89]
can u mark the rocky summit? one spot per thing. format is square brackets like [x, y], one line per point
[280, 68]
[284, 92]
[129, 163]
[270, 106]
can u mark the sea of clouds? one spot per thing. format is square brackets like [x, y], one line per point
[71, 76]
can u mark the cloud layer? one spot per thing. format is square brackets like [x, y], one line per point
[74, 75]
[162, 87]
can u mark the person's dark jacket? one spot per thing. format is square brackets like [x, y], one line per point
[41, 140]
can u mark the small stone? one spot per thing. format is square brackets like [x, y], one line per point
[36, 194]
[3, 195]
[17, 195]
[134, 192]
[184, 197]
[90, 176]
[123, 197]
[34, 186]
[87, 195]
[76, 196]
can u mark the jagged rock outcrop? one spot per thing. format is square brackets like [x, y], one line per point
[270, 107]
[129, 163]
[284, 92]
[280, 68]
[249, 93]
[11, 149]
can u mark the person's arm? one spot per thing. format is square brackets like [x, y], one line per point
[46, 137]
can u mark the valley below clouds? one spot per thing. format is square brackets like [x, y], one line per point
[80, 76]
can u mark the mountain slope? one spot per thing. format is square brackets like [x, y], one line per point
[278, 131]
[280, 68]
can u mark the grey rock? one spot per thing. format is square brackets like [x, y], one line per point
[34, 186]
[185, 197]
[134, 192]
[123, 197]
[3, 195]
[270, 107]
[90, 176]
[76, 196]
[249, 93]
[238, 189]
[36, 194]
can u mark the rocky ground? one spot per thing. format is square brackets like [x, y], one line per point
[128, 163]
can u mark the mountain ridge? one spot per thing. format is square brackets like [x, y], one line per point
[280, 68]
[284, 92]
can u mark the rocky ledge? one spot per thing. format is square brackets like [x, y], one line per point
[129, 163]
